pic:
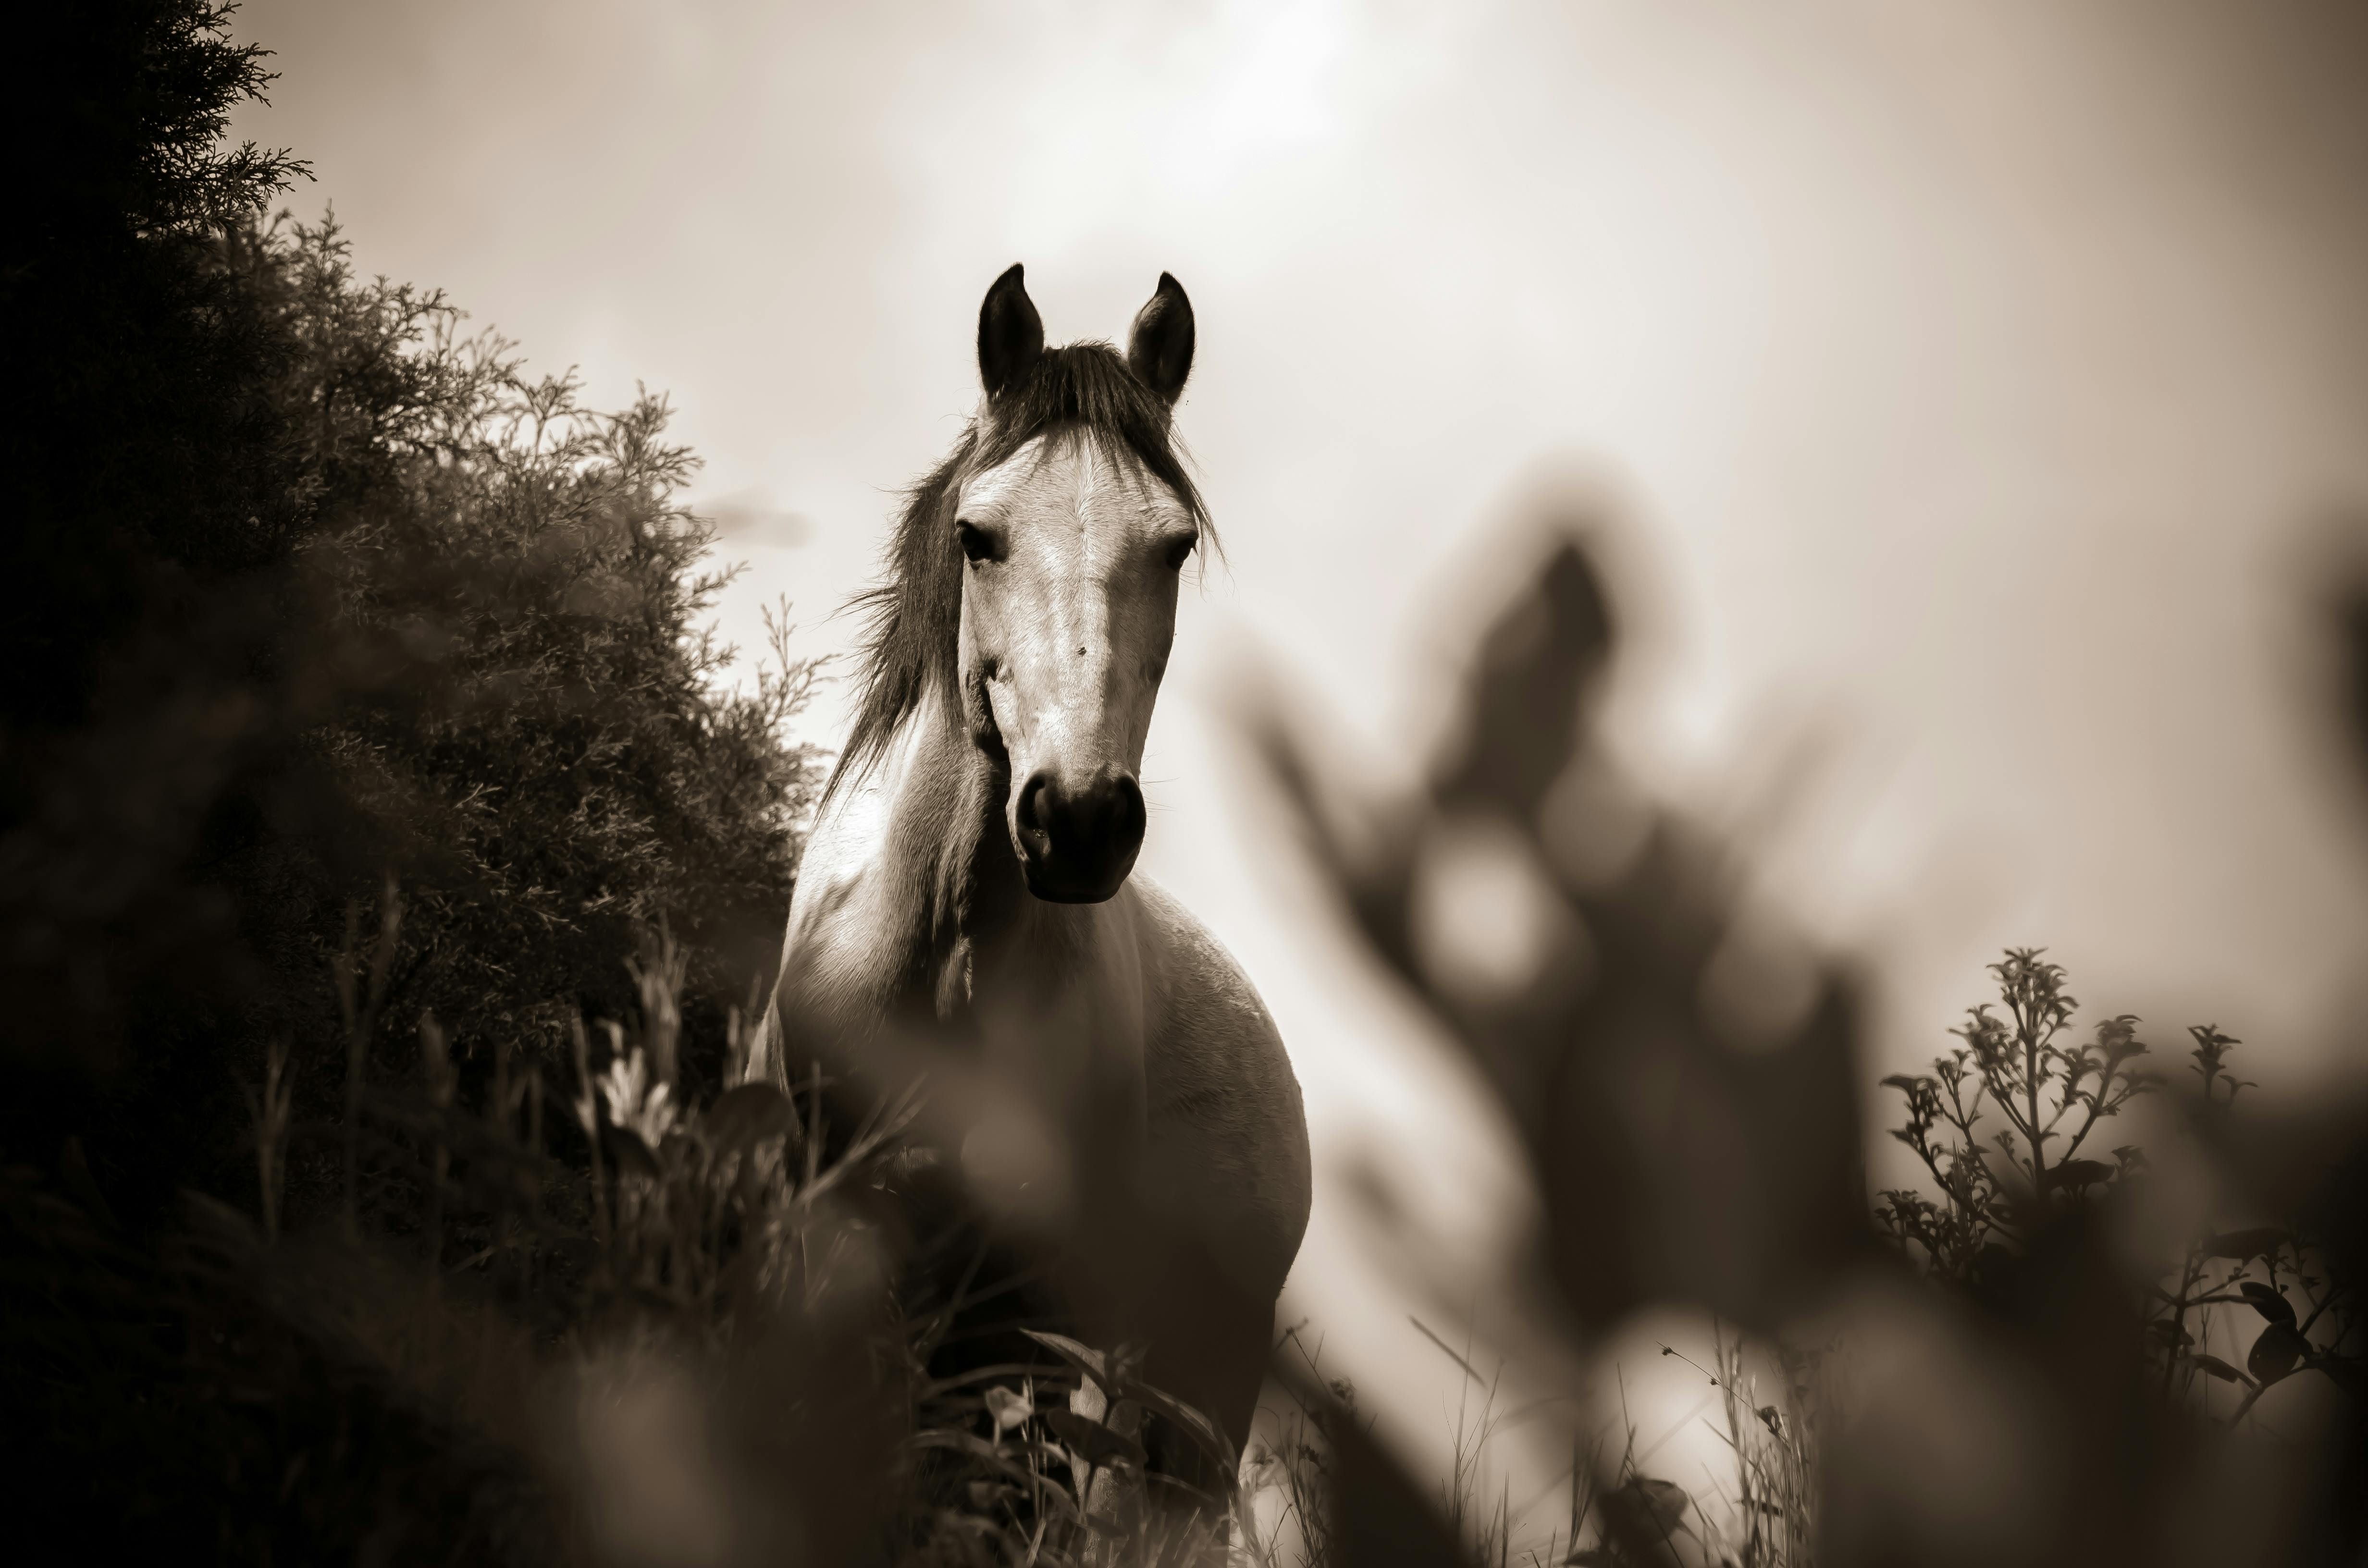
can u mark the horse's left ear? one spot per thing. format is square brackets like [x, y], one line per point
[1159, 349]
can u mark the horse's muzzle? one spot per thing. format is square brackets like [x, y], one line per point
[1077, 844]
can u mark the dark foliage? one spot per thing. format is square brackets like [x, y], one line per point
[1997, 1193]
[534, 734]
[2007, 1198]
[152, 506]
[311, 590]
[204, 1397]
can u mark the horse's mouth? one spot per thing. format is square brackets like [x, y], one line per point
[1056, 884]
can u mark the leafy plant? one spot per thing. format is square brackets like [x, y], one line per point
[1997, 1193]
[1995, 1190]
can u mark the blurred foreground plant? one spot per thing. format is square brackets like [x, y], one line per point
[1682, 1073]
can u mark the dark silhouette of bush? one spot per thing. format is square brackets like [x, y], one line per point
[152, 506]
[313, 589]
[531, 723]
[316, 600]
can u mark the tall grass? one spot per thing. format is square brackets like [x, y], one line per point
[661, 1327]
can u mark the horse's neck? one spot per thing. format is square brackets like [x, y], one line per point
[926, 822]
[1039, 991]
[912, 919]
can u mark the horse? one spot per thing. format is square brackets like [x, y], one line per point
[968, 882]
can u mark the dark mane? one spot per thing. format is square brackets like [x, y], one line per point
[915, 610]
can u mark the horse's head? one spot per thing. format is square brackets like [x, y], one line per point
[1074, 521]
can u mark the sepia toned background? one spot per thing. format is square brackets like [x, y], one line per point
[1978, 388]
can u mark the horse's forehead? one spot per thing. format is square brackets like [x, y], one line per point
[1075, 475]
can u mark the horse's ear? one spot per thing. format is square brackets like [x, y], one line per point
[1159, 349]
[1010, 334]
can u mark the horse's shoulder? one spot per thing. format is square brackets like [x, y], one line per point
[1186, 966]
[1228, 1131]
[1212, 1037]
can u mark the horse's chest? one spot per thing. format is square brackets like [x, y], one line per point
[1069, 1025]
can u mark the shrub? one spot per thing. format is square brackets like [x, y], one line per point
[152, 508]
[319, 590]
[2000, 1195]
[539, 739]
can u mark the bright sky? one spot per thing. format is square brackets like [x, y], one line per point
[1975, 373]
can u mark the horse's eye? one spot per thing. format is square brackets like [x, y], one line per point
[977, 544]
[1180, 551]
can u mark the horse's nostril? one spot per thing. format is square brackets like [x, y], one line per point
[1078, 843]
[1126, 812]
[1035, 799]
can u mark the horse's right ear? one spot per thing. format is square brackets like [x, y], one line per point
[1010, 334]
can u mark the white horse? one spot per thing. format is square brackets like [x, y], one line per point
[967, 881]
